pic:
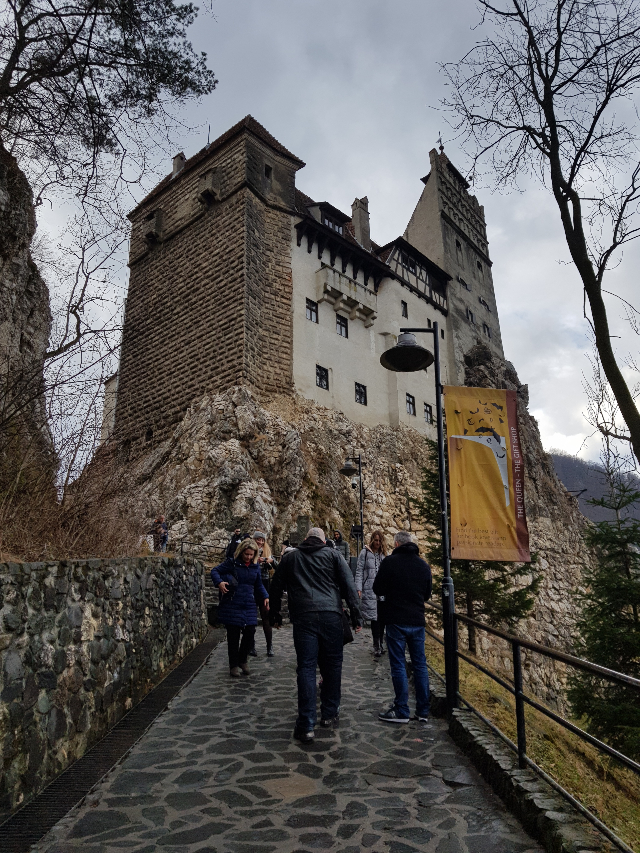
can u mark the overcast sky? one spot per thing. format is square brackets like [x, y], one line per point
[353, 88]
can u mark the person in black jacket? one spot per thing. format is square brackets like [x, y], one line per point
[403, 584]
[316, 578]
[235, 540]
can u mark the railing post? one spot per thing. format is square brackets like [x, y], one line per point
[520, 720]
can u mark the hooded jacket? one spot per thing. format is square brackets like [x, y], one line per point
[316, 579]
[343, 546]
[404, 582]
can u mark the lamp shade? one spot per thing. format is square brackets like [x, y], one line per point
[348, 469]
[406, 356]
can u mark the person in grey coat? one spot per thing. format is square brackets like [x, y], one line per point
[368, 564]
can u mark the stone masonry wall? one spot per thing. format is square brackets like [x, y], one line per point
[268, 298]
[206, 294]
[80, 643]
[193, 282]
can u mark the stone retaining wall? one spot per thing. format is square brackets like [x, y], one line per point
[80, 643]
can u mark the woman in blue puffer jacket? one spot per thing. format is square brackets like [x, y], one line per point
[241, 591]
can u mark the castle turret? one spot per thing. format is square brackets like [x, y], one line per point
[448, 225]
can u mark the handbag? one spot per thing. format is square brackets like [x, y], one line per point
[347, 633]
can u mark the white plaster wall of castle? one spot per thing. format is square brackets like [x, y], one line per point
[373, 324]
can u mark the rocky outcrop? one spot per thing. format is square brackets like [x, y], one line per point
[25, 323]
[556, 528]
[235, 461]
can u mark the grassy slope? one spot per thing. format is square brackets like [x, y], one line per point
[611, 792]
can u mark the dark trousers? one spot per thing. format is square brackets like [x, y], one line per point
[317, 638]
[264, 616]
[239, 649]
[377, 631]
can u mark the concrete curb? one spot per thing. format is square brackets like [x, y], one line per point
[546, 816]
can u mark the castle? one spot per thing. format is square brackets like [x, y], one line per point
[239, 278]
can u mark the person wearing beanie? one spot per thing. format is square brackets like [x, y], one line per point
[316, 578]
[264, 559]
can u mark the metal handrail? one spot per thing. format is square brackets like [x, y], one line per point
[556, 654]
[518, 643]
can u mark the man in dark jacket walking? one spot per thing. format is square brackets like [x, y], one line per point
[316, 579]
[403, 584]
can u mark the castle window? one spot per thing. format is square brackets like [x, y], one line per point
[312, 311]
[405, 308]
[486, 330]
[330, 222]
[459, 255]
[484, 303]
[463, 283]
[322, 377]
[342, 326]
[428, 324]
[361, 394]
[408, 262]
[480, 269]
[428, 413]
[442, 333]
[267, 171]
[471, 316]
[411, 405]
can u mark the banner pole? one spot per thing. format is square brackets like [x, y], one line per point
[448, 602]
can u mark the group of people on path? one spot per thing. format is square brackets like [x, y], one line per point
[389, 590]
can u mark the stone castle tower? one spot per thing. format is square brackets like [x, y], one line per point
[448, 225]
[238, 278]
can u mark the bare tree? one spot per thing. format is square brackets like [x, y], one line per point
[88, 98]
[552, 92]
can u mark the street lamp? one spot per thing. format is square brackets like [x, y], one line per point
[408, 357]
[350, 470]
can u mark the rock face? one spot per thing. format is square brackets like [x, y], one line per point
[235, 461]
[81, 642]
[25, 322]
[556, 528]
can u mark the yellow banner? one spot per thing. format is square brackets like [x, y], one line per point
[486, 476]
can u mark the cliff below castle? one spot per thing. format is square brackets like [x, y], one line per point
[236, 461]
[25, 323]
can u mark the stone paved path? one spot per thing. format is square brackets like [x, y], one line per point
[219, 772]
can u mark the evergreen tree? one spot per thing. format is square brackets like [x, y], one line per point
[609, 626]
[484, 589]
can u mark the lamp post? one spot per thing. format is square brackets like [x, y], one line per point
[350, 470]
[407, 357]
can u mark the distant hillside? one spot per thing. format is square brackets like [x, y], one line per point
[577, 474]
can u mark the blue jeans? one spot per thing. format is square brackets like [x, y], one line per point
[398, 638]
[317, 638]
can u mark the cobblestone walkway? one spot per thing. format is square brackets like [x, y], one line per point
[219, 772]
